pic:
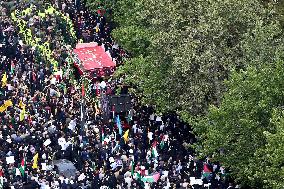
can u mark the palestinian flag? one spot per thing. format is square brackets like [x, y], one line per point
[151, 178]
[12, 67]
[206, 170]
[23, 167]
[103, 135]
[154, 150]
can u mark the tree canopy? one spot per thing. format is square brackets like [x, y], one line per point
[183, 50]
[242, 132]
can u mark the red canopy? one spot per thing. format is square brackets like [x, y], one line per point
[93, 56]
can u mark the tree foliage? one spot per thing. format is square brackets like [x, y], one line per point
[273, 158]
[188, 48]
[247, 127]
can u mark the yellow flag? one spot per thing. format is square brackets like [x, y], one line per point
[8, 103]
[2, 108]
[125, 136]
[4, 80]
[22, 114]
[35, 158]
[21, 104]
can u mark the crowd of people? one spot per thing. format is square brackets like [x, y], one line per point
[41, 121]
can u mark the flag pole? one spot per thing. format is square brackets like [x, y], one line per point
[82, 107]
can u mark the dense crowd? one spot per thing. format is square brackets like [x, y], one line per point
[43, 123]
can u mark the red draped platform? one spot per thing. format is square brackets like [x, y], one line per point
[93, 59]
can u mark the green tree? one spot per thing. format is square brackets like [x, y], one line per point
[273, 153]
[245, 133]
[183, 50]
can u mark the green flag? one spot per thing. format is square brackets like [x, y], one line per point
[162, 144]
[132, 168]
[1, 182]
